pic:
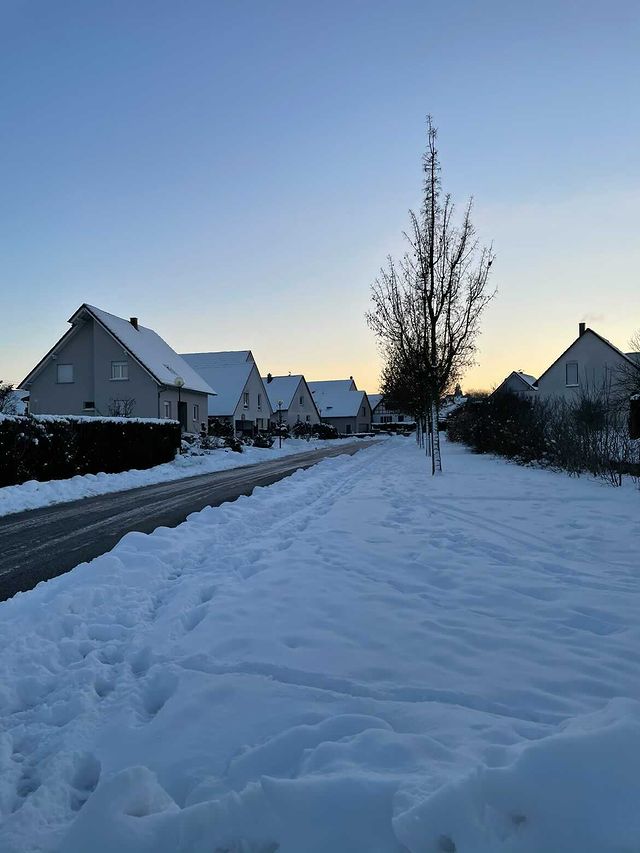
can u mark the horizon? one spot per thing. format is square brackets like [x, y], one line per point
[235, 176]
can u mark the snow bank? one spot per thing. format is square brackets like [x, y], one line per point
[34, 493]
[358, 659]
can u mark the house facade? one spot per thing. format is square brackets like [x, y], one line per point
[105, 365]
[297, 400]
[241, 399]
[340, 404]
[590, 365]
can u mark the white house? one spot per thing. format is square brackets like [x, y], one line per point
[241, 398]
[296, 397]
[107, 365]
[341, 404]
[589, 365]
[517, 382]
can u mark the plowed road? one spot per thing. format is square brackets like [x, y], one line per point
[42, 543]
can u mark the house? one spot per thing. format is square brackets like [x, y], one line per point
[591, 364]
[340, 404]
[241, 399]
[295, 397]
[382, 414]
[106, 365]
[517, 382]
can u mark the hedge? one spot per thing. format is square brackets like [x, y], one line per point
[54, 448]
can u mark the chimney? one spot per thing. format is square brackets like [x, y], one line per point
[269, 378]
[134, 322]
[581, 329]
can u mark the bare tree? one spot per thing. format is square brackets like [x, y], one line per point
[8, 405]
[627, 381]
[122, 408]
[427, 306]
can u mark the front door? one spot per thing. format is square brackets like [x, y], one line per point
[182, 415]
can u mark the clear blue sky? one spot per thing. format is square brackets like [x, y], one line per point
[234, 173]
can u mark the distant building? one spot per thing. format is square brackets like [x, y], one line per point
[517, 382]
[297, 400]
[340, 404]
[382, 414]
[241, 398]
[106, 365]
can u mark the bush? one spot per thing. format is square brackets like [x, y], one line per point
[263, 441]
[325, 431]
[53, 448]
[220, 429]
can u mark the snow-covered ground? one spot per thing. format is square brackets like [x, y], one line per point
[357, 659]
[34, 494]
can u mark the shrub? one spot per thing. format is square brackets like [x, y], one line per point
[263, 441]
[325, 431]
[52, 448]
[585, 435]
[220, 429]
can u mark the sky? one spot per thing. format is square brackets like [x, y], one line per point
[235, 172]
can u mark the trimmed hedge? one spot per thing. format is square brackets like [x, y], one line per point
[54, 448]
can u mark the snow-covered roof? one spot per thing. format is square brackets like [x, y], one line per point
[150, 350]
[336, 399]
[282, 388]
[229, 382]
[374, 399]
[332, 385]
[526, 377]
[218, 359]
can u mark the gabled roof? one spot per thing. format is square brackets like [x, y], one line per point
[527, 381]
[600, 338]
[219, 359]
[282, 388]
[154, 354]
[374, 400]
[229, 380]
[335, 399]
[526, 378]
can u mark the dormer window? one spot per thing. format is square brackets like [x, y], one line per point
[119, 370]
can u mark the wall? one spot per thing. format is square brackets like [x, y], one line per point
[47, 396]
[254, 386]
[297, 412]
[139, 386]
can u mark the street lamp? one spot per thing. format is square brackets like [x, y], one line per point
[179, 382]
[280, 423]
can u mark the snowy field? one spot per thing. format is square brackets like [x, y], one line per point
[34, 494]
[357, 659]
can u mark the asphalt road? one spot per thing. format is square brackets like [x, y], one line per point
[43, 543]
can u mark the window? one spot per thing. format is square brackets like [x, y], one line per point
[400, 419]
[196, 412]
[302, 399]
[308, 418]
[571, 368]
[120, 370]
[167, 408]
[65, 373]
[259, 401]
[364, 411]
[246, 399]
[89, 405]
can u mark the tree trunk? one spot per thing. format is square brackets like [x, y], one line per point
[436, 459]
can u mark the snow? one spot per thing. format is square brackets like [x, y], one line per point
[152, 351]
[357, 659]
[87, 418]
[35, 494]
